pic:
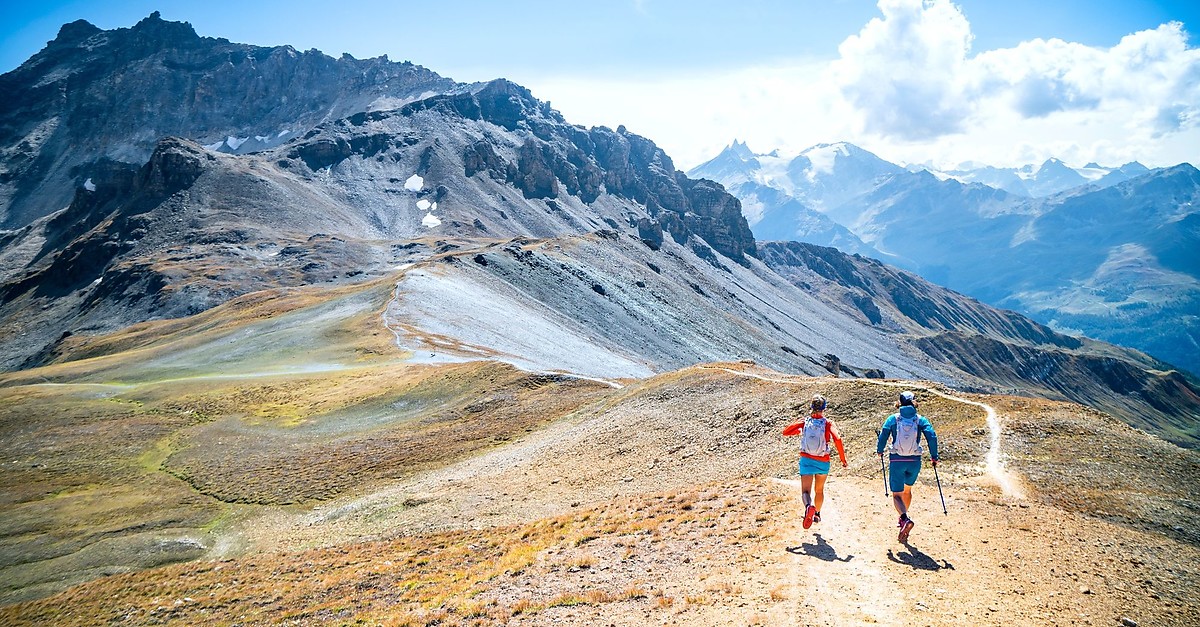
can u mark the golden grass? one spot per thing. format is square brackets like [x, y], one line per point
[359, 335]
[112, 462]
[445, 577]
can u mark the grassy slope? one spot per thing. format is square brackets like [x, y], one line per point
[140, 457]
[147, 452]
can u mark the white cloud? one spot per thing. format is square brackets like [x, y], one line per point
[903, 72]
[908, 87]
[694, 116]
[909, 78]
[1150, 76]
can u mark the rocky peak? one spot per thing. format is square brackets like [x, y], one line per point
[175, 164]
[172, 82]
[156, 26]
[75, 32]
[504, 102]
[740, 149]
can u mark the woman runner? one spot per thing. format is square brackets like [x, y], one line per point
[816, 433]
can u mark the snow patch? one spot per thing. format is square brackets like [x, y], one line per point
[423, 204]
[235, 142]
[773, 172]
[387, 103]
[430, 220]
[89, 185]
[215, 146]
[1093, 174]
[1027, 233]
[414, 183]
[823, 158]
[752, 209]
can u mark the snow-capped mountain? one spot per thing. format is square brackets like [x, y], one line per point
[999, 234]
[1053, 176]
[771, 211]
[795, 198]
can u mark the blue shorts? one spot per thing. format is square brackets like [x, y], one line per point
[903, 474]
[813, 467]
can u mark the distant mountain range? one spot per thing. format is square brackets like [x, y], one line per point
[1106, 252]
[499, 229]
[1038, 181]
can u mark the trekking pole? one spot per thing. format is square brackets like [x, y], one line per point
[882, 470]
[939, 482]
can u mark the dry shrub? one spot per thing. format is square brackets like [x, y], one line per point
[523, 606]
[724, 587]
[474, 609]
[566, 599]
[634, 592]
[596, 597]
[777, 594]
[587, 560]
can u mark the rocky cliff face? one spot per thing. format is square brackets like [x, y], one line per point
[193, 227]
[93, 94]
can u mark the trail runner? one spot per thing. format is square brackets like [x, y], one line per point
[816, 433]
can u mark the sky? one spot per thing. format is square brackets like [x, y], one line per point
[1003, 83]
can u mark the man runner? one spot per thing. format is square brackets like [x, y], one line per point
[905, 428]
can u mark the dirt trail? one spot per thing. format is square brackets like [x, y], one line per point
[833, 571]
[1007, 481]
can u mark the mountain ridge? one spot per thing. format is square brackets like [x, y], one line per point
[93, 94]
[1111, 283]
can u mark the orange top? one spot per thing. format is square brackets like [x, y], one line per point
[831, 434]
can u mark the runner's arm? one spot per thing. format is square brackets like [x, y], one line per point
[931, 438]
[837, 441]
[884, 434]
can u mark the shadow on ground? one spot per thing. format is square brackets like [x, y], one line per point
[918, 560]
[821, 550]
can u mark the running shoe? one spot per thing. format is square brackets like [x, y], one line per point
[817, 517]
[905, 530]
[809, 512]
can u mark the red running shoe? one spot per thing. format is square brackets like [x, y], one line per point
[809, 512]
[905, 530]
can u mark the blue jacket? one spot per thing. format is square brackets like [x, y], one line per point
[924, 427]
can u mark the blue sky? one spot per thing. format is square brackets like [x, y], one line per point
[777, 73]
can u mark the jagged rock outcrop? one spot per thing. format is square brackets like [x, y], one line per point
[94, 94]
